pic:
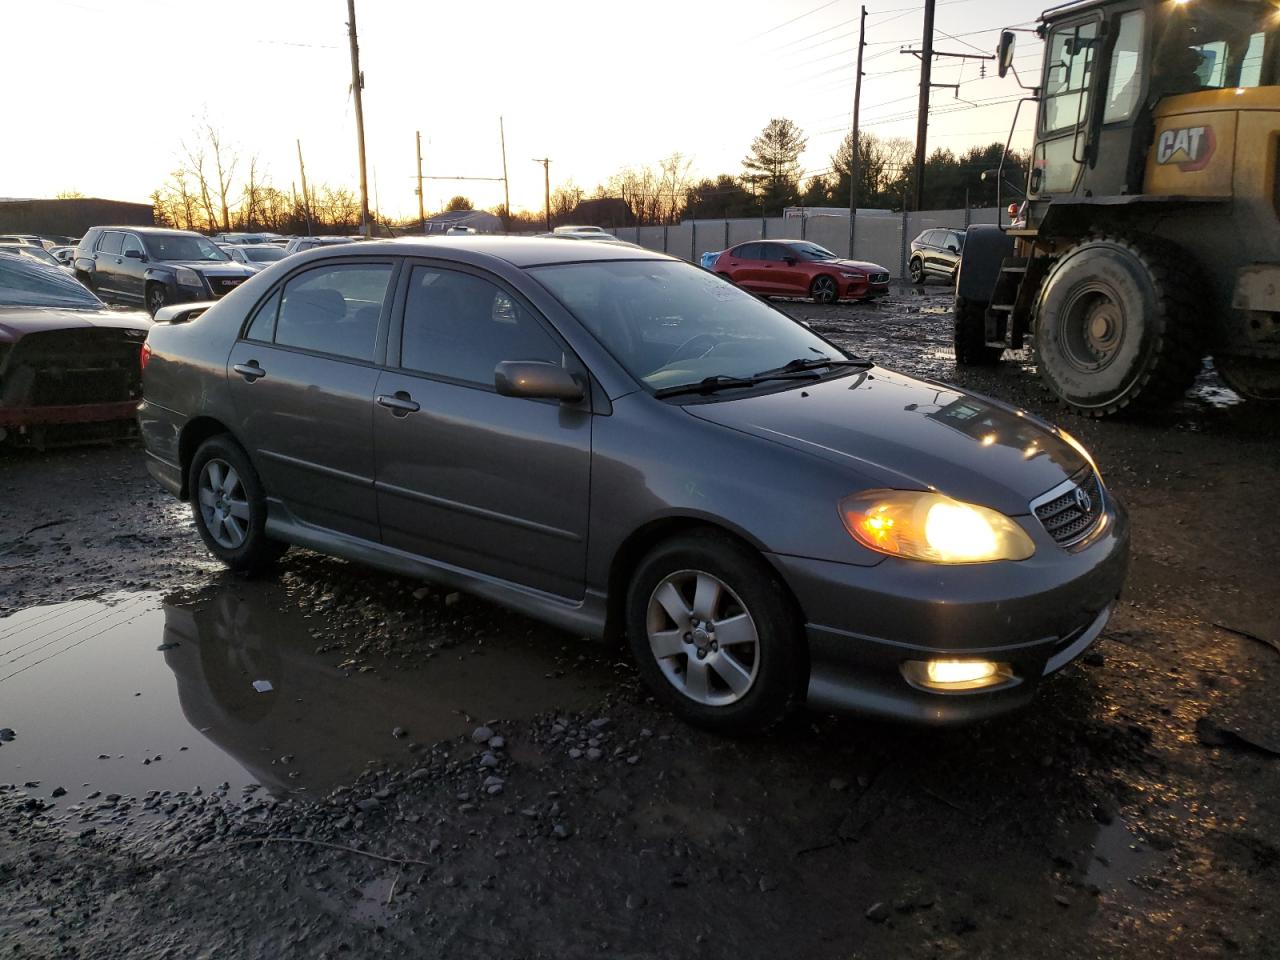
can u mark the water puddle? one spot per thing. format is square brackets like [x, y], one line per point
[133, 693]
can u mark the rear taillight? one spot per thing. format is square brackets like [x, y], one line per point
[144, 355]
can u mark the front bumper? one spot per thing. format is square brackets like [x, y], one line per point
[1036, 615]
[861, 290]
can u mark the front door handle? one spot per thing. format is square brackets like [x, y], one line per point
[400, 403]
[250, 371]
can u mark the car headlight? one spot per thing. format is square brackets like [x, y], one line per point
[854, 276]
[918, 525]
[187, 277]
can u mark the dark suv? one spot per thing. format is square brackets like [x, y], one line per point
[936, 253]
[153, 266]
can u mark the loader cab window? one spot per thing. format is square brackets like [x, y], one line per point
[1124, 86]
[1215, 45]
[1069, 68]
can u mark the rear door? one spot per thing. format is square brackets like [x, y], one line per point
[107, 259]
[492, 484]
[132, 268]
[302, 377]
[745, 266]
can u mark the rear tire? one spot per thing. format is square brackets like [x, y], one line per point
[1116, 326]
[229, 505]
[689, 594]
[969, 325]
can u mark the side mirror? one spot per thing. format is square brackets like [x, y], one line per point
[134, 254]
[1004, 53]
[953, 248]
[536, 380]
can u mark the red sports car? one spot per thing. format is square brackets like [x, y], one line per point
[799, 268]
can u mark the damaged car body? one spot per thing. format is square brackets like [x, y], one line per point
[69, 367]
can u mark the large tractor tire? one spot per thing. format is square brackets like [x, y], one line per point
[969, 321]
[1252, 378]
[1117, 326]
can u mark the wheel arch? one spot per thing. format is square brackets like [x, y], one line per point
[640, 541]
[196, 432]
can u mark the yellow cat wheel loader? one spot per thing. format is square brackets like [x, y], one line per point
[1150, 231]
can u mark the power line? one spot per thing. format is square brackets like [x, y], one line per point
[787, 23]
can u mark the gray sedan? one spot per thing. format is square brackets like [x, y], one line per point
[622, 444]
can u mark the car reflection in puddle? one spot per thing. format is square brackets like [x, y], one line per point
[131, 693]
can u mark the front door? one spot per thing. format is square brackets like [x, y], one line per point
[302, 379]
[491, 484]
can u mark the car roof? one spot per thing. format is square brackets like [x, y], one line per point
[478, 249]
[152, 231]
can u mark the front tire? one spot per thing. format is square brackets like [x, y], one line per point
[156, 297]
[916, 268]
[824, 290]
[969, 327]
[230, 506]
[1116, 326]
[715, 634]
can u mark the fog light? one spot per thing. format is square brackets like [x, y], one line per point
[953, 674]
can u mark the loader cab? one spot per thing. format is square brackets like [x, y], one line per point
[1108, 65]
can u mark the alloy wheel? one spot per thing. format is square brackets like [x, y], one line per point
[155, 298]
[917, 271]
[824, 290]
[703, 638]
[224, 504]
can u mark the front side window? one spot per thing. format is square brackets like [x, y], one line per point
[461, 326]
[334, 309]
[774, 252]
[131, 244]
[1068, 71]
[1125, 83]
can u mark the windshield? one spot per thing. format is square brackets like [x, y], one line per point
[26, 283]
[176, 246]
[35, 253]
[671, 324]
[811, 251]
[264, 254]
[1211, 45]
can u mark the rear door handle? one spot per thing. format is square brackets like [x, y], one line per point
[250, 371]
[400, 403]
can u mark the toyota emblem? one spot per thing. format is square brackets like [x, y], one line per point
[1083, 500]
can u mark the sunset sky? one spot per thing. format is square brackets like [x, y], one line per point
[595, 86]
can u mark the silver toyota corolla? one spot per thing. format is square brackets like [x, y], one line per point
[620, 443]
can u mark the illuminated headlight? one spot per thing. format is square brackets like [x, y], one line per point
[956, 675]
[187, 277]
[919, 525]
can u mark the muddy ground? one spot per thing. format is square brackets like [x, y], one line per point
[332, 762]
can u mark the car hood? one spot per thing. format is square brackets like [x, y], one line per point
[864, 265]
[17, 322]
[902, 433]
[212, 268]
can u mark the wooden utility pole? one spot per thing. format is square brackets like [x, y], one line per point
[357, 86]
[546, 180]
[506, 186]
[422, 215]
[306, 197]
[926, 84]
[855, 156]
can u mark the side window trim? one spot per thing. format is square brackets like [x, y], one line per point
[396, 329]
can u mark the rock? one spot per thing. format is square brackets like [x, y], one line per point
[343, 824]
[7, 734]
[87, 832]
[421, 593]
[574, 753]
[838, 784]
[600, 723]
[594, 753]
[529, 812]
[635, 901]
[497, 743]
[368, 805]
[633, 759]
[481, 735]
[434, 846]
[560, 831]
[398, 732]
[490, 782]
[878, 912]
[1062, 900]
[59, 792]
[452, 599]
[767, 883]
[488, 761]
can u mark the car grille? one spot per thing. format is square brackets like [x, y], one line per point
[1072, 515]
[61, 367]
[222, 285]
[878, 277]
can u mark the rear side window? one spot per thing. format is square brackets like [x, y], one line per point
[263, 325]
[461, 327]
[110, 242]
[334, 309]
[748, 251]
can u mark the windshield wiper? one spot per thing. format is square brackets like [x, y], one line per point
[813, 363]
[721, 382]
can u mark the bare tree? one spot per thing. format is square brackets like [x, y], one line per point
[251, 207]
[564, 200]
[68, 195]
[224, 163]
[195, 167]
